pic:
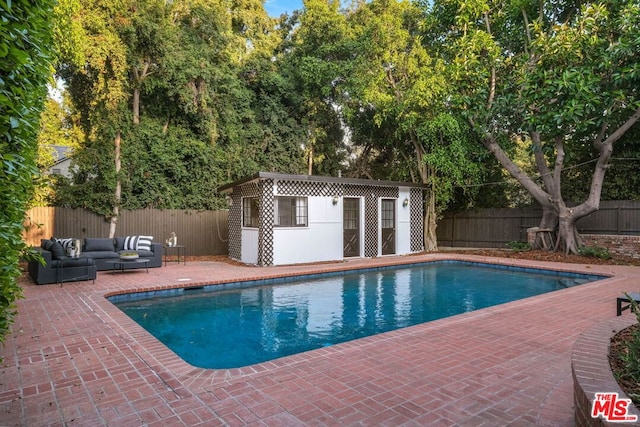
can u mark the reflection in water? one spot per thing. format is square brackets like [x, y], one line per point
[242, 327]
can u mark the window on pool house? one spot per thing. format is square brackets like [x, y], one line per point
[250, 212]
[290, 212]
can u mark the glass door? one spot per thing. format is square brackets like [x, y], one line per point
[388, 225]
[351, 221]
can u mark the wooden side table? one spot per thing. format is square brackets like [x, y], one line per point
[179, 249]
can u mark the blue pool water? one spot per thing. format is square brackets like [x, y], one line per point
[247, 324]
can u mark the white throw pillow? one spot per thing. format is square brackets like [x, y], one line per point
[138, 243]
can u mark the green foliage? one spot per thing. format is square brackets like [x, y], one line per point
[25, 31]
[451, 152]
[518, 246]
[595, 252]
[562, 81]
[631, 357]
[315, 65]
[211, 109]
[396, 106]
[253, 94]
[58, 127]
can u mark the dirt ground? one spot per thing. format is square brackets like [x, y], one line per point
[554, 257]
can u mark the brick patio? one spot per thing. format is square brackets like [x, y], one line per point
[74, 359]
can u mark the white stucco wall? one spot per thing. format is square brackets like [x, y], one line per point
[320, 241]
[61, 168]
[403, 224]
[249, 250]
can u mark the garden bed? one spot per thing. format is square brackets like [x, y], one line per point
[624, 375]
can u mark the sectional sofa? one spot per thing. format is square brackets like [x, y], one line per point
[94, 256]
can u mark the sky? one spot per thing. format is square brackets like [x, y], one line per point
[275, 8]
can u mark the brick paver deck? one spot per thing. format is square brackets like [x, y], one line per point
[74, 359]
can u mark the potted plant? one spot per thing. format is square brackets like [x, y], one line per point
[129, 256]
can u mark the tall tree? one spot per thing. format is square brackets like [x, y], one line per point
[557, 76]
[400, 87]
[316, 61]
[96, 72]
[202, 83]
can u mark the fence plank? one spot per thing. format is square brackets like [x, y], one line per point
[495, 228]
[206, 232]
[202, 232]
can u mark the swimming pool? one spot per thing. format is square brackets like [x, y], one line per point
[230, 326]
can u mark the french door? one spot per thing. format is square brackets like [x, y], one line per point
[351, 232]
[388, 226]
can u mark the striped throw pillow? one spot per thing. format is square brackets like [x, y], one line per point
[138, 243]
[66, 243]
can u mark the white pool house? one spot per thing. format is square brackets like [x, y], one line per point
[279, 219]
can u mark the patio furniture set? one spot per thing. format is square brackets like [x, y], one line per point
[67, 260]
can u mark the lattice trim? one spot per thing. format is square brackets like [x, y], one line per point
[416, 228]
[370, 193]
[265, 222]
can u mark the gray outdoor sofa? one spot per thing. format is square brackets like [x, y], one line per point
[94, 256]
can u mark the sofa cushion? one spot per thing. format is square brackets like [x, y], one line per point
[66, 242]
[100, 254]
[119, 244]
[98, 244]
[137, 243]
[56, 249]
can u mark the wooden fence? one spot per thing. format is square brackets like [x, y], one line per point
[206, 232]
[494, 228]
[202, 232]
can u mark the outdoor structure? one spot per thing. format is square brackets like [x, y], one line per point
[278, 219]
[62, 160]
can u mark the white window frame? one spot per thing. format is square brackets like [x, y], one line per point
[299, 211]
[254, 221]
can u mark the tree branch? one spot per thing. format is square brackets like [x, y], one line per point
[557, 170]
[527, 30]
[538, 193]
[541, 162]
[606, 148]
[622, 129]
[603, 129]
[492, 83]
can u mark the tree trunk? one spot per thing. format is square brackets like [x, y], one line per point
[430, 224]
[138, 77]
[549, 221]
[118, 193]
[136, 106]
[569, 240]
[430, 220]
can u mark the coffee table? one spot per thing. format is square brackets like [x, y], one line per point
[119, 264]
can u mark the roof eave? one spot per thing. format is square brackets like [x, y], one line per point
[228, 188]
